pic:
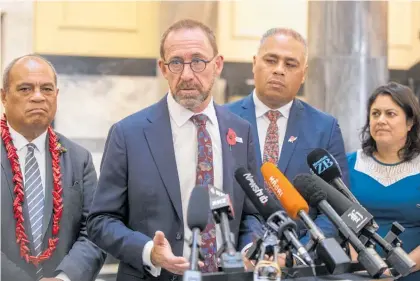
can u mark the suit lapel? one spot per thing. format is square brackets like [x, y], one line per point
[159, 139]
[224, 125]
[48, 204]
[5, 164]
[293, 130]
[248, 113]
[7, 169]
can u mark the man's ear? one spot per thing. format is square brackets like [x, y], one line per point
[219, 65]
[304, 73]
[3, 96]
[254, 60]
[163, 68]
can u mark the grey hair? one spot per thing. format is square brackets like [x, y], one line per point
[9, 67]
[289, 32]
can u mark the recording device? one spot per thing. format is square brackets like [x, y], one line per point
[311, 187]
[197, 219]
[328, 249]
[276, 221]
[324, 165]
[222, 210]
[268, 269]
[354, 216]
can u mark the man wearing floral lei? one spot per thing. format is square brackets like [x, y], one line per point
[47, 183]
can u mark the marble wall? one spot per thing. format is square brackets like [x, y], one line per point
[347, 60]
[88, 105]
[17, 30]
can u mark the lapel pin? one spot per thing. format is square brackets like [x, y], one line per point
[231, 138]
[292, 139]
[238, 139]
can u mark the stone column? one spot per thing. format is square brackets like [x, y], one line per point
[347, 60]
[203, 11]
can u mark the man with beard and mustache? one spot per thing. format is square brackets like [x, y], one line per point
[154, 158]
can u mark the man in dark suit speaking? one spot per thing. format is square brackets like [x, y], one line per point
[155, 157]
[47, 184]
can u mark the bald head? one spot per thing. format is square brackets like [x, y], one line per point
[29, 95]
[286, 32]
[279, 67]
[31, 61]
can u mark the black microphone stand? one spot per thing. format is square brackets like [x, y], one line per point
[230, 259]
[193, 273]
[285, 229]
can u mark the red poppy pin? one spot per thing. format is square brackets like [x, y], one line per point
[231, 138]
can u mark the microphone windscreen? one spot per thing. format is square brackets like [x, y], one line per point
[309, 187]
[285, 192]
[323, 164]
[198, 208]
[265, 204]
[338, 201]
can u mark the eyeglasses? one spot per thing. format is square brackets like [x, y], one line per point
[197, 65]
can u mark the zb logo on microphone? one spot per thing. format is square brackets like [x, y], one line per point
[322, 164]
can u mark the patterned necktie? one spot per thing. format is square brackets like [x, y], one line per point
[34, 198]
[205, 176]
[271, 145]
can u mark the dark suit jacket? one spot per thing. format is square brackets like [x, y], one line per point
[75, 255]
[313, 129]
[138, 191]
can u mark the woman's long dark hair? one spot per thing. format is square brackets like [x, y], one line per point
[405, 98]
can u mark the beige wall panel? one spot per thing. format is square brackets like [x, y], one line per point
[100, 16]
[242, 23]
[114, 29]
[403, 32]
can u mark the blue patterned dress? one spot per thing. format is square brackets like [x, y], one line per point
[390, 193]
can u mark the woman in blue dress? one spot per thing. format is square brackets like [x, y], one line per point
[385, 173]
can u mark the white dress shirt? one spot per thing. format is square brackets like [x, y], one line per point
[184, 137]
[263, 122]
[20, 143]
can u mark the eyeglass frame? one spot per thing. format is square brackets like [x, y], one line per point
[184, 63]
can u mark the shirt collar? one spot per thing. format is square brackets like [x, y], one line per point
[20, 141]
[261, 108]
[181, 115]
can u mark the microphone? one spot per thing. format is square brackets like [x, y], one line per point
[197, 219]
[274, 178]
[268, 207]
[324, 165]
[222, 210]
[311, 188]
[328, 249]
[355, 216]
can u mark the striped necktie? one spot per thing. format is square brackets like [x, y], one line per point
[34, 198]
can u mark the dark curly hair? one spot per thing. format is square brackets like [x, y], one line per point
[405, 98]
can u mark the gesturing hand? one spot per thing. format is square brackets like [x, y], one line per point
[162, 255]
